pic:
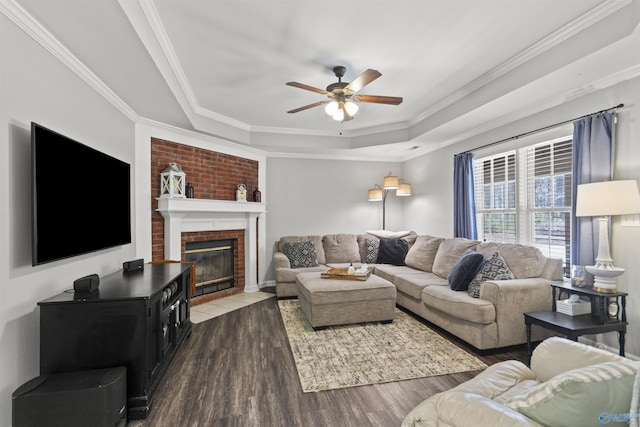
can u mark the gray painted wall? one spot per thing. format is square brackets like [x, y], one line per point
[326, 196]
[37, 87]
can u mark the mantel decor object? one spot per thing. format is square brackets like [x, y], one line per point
[257, 195]
[172, 182]
[241, 193]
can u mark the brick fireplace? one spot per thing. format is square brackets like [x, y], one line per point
[213, 213]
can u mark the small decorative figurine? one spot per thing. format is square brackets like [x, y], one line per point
[241, 193]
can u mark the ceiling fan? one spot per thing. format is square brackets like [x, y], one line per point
[341, 104]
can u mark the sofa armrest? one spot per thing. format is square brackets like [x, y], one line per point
[461, 409]
[497, 379]
[513, 298]
[556, 355]
[472, 410]
[280, 260]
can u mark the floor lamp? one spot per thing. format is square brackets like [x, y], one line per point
[379, 194]
[605, 199]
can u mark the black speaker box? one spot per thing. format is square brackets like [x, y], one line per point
[134, 265]
[96, 398]
[88, 283]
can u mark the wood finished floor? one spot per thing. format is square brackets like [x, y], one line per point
[237, 370]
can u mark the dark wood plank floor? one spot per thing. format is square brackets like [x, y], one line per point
[237, 370]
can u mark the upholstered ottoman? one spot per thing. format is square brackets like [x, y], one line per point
[327, 302]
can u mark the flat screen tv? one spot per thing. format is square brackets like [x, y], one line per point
[80, 198]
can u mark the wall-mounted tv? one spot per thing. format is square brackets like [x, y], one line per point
[80, 198]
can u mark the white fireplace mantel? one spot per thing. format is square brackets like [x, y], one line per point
[192, 215]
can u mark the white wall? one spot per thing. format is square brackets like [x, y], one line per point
[430, 211]
[327, 196]
[34, 86]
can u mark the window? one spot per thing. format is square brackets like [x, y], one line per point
[524, 196]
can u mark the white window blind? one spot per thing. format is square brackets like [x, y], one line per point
[524, 196]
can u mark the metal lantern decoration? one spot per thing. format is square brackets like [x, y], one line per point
[172, 181]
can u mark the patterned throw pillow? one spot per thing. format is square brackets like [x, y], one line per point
[495, 268]
[301, 254]
[371, 250]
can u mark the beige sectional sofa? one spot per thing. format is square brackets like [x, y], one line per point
[492, 319]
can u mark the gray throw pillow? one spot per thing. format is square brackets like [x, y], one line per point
[392, 251]
[301, 254]
[465, 270]
[495, 268]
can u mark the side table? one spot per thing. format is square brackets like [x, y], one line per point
[608, 313]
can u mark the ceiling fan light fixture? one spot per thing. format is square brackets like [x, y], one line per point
[331, 108]
[351, 107]
[338, 116]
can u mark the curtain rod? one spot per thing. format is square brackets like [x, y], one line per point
[531, 132]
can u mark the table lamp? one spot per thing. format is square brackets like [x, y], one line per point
[604, 199]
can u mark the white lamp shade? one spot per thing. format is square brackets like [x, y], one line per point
[375, 195]
[403, 189]
[608, 198]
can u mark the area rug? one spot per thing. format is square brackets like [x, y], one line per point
[369, 353]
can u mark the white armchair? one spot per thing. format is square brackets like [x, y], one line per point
[568, 384]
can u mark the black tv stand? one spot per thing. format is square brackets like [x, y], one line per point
[136, 319]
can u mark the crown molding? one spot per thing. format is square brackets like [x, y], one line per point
[590, 18]
[19, 16]
[571, 95]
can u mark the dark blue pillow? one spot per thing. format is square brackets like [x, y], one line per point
[465, 270]
[392, 251]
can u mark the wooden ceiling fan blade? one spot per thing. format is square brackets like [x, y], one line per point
[362, 80]
[306, 107]
[390, 100]
[307, 87]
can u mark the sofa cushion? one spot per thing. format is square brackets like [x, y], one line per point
[524, 262]
[413, 283]
[580, 397]
[301, 254]
[316, 239]
[341, 248]
[448, 253]
[465, 270]
[392, 251]
[423, 252]
[389, 272]
[495, 268]
[459, 305]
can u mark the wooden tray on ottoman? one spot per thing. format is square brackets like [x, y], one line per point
[343, 274]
